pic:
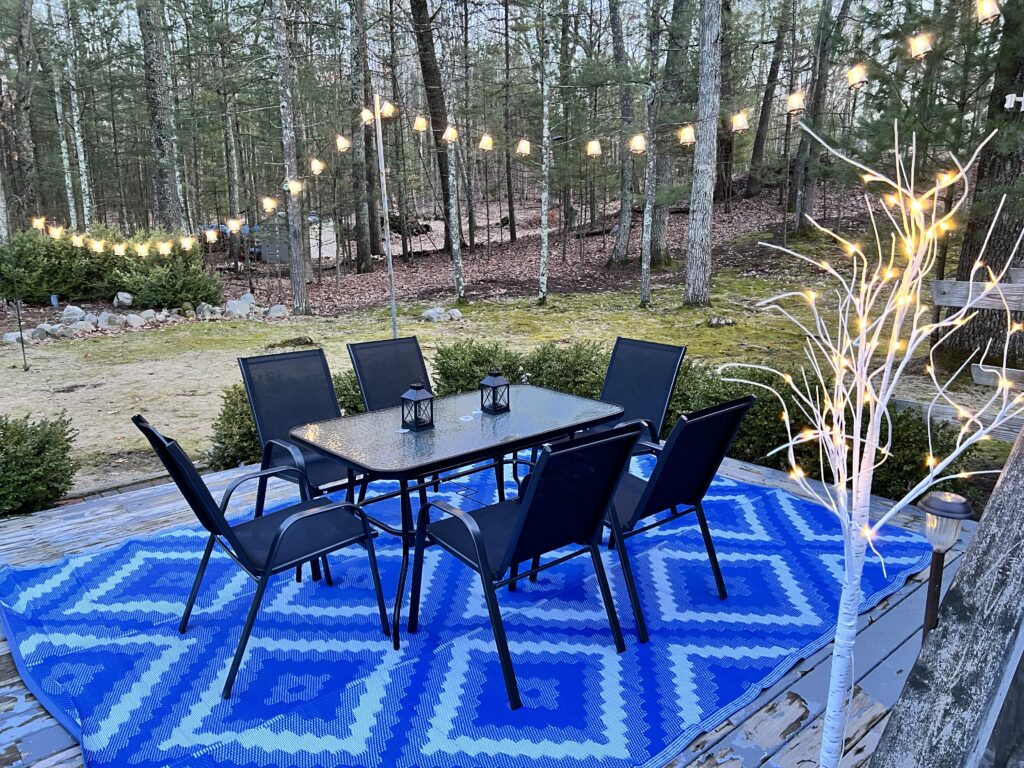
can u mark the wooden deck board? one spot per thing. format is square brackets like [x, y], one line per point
[779, 724]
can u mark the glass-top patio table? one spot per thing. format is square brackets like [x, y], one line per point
[374, 446]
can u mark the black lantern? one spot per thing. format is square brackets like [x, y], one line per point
[944, 513]
[494, 393]
[417, 408]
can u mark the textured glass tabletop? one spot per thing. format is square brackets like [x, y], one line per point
[375, 442]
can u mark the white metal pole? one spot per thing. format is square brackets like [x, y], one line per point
[384, 213]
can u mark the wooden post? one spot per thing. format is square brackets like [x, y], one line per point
[954, 694]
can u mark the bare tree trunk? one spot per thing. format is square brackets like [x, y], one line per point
[726, 138]
[230, 143]
[24, 84]
[360, 191]
[160, 101]
[296, 257]
[651, 173]
[755, 179]
[71, 20]
[698, 236]
[508, 131]
[58, 105]
[547, 76]
[467, 150]
[625, 119]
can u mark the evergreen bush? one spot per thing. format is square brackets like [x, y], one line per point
[36, 463]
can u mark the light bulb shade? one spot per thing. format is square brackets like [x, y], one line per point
[120, 249]
[366, 116]
[419, 124]
[387, 109]
[988, 11]
[269, 204]
[96, 246]
[39, 222]
[687, 136]
[795, 103]
[187, 243]
[523, 147]
[638, 144]
[593, 148]
[210, 235]
[944, 513]
[857, 76]
[342, 143]
[486, 143]
[234, 225]
[56, 232]
[142, 249]
[450, 135]
[78, 240]
[165, 247]
[294, 187]
[316, 166]
[739, 122]
[920, 46]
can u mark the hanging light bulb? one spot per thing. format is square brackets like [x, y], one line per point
[142, 249]
[96, 246]
[687, 135]
[120, 249]
[523, 147]
[294, 187]
[739, 122]
[387, 109]
[165, 247]
[210, 235]
[78, 240]
[234, 225]
[988, 11]
[269, 204]
[56, 232]
[795, 103]
[920, 46]
[450, 135]
[857, 77]
[343, 144]
[317, 166]
[638, 144]
[486, 143]
[39, 222]
[593, 148]
[187, 243]
[366, 116]
[419, 124]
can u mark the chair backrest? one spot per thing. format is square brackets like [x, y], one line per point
[569, 492]
[386, 369]
[189, 482]
[288, 389]
[640, 378]
[691, 456]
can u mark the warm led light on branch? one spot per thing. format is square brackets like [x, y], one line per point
[450, 135]
[638, 144]
[342, 143]
[857, 76]
[593, 148]
[687, 136]
[486, 143]
[795, 103]
[419, 124]
[739, 122]
[920, 46]
[523, 147]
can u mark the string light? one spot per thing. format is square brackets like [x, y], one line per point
[857, 77]
[78, 240]
[342, 143]
[234, 225]
[988, 11]
[387, 109]
[120, 249]
[96, 246]
[523, 147]
[317, 166]
[187, 243]
[142, 249]
[164, 248]
[486, 143]
[810, 296]
[294, 186]
[796, 473]
[930, 461]
[638, 144]
[419, 124]
[269, 204]
[687, 135]
[211, 235]
[739, 122]
[593, 148]
[450, 135]
[366, 116]
[39, 223]
[795, 103]
[920, 46]
[56, 232]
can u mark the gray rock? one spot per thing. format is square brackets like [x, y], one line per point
[123, 299]
[55, 330]
[434, 315]
[109, 321]
[135, 321]
[91, 318]
[81, 328]
[190, 313]
[161, 317]
[248, 298]
[15, 338]
[72, 314]
[186, 306]
[454, 314]
[203, 309]
[717, 322]
[149, 316]
[65, 331]
[277, 311]
[236, 308]
[39, 332]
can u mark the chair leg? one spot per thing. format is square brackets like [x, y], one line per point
[498, 628]
[606, 597]
[535, 565]
[261, 496]
[710, 546]
[327, 571]
[250, 620]
[195, 584]
[634, 595]
[499, 477]
[314, 567]
[371, 553]
[417, 574]
[513, 572]
[298, 573]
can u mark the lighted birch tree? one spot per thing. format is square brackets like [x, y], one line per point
[859, 344]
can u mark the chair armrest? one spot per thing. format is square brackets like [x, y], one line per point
[468, 522]
[297, 459]
[297, 517]
[649, 446]
[304, 487]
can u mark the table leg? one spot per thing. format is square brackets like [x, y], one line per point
[499, 476]
[407, 532]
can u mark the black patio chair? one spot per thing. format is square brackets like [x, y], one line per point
[641, 376]
[267, 544]
[286, 390]
[385, 369]
[686, 467]
[562, 502]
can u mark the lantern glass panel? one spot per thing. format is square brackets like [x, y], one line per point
[417, 408]
[942, 532]
[494, 394]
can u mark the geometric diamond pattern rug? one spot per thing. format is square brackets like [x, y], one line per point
[95, 638]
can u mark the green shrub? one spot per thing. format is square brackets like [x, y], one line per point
[905, 466]
[459, 367]
[44, 266]
[234, 431]
[158, 281]
[574, 368]
[35, 462]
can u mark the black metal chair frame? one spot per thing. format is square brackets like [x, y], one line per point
[212, 517]
[627, 433]
[365, 388]
[654, 420]
[619, 533]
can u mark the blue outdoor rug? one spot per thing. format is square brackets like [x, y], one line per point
[95, 638]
